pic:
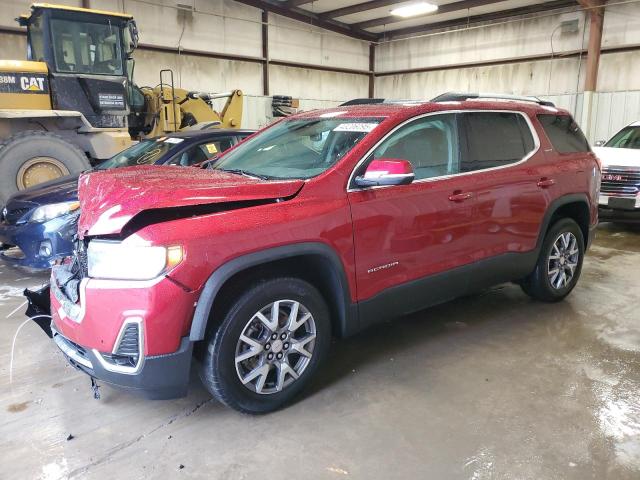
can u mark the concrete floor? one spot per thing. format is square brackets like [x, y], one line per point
[491, 386]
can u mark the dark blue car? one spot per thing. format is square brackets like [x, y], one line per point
[38, 224]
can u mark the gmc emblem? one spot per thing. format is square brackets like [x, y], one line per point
[612, 177]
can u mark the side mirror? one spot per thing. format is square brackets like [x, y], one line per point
[600, 143]
[132, 41]
[386, 171]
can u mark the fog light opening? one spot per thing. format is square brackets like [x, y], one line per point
[45, 249]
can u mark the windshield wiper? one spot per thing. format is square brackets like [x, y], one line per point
[239, 171]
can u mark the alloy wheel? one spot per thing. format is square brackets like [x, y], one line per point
[563, 260]
[275, 347]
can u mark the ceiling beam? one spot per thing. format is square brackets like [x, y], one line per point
[311, 18]
[486, 17]
[446, 8]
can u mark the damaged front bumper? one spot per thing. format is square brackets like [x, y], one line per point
[160, 377]
[126, 366]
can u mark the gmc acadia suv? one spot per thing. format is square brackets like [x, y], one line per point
[321, 224]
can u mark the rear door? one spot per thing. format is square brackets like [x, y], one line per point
[502, 156]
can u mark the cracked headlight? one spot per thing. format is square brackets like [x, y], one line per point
[53, 210]
[115, 260]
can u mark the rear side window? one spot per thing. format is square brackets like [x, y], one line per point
[564, 133]
[495, 139]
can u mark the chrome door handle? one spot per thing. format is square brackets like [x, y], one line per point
[546, 182]
[458, 196]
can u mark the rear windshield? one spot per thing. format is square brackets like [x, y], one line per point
[564, 133]
[144, 153]
[628, 137]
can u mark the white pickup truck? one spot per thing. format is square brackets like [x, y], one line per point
[620, 191]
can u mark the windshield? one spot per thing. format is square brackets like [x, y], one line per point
[297, 148]
[81, 47]
[144, 153]
[628, 137]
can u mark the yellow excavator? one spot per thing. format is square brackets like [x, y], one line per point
[74, 103]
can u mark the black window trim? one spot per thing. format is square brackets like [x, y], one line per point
[536, 147]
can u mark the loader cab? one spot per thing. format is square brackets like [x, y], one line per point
[88, 54]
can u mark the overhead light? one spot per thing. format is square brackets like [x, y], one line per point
[415, 9]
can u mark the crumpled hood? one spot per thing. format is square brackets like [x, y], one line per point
[110, 198]
[618, 157]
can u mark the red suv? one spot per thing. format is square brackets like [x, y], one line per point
[318, 226]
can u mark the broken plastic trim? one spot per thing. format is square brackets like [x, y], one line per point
[39, 307]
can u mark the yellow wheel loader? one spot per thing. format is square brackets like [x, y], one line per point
[74, 103]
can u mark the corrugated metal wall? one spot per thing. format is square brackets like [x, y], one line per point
[256, 109]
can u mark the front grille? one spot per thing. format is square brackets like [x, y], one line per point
[130, 341]
[620, 181]
[12, 215]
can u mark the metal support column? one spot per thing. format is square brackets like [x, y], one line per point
[372, 67]
[265, 52]
[595, 9]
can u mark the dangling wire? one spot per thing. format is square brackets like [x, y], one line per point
[13, 343]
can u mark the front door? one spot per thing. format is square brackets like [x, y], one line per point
[406, 233]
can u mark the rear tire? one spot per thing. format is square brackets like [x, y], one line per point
[559, 265]
[256, 365]
[32, 157]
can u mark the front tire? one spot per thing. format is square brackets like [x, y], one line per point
[270, 343]
[559, 265]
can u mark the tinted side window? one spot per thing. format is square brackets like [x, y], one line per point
[202, 152]
[495, 139]
[564, 133]
[430, 144]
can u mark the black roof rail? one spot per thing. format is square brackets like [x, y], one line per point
[461, 97]
[362, 101]
[377, 101]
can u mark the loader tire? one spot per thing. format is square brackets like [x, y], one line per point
[33, 157]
